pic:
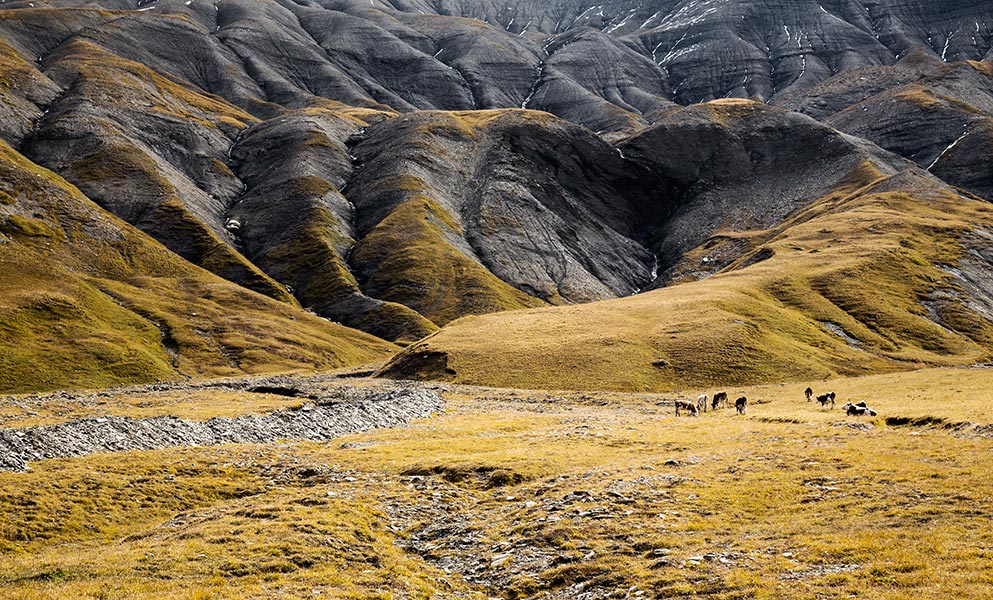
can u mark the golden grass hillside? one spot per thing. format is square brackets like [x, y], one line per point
[515, 494]
[417, 266]
[847, 285]
[87, 300]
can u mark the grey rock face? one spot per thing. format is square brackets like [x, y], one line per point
[294, 222]
[459, 54]
[592, 78]
[544, 205]
[938, 115]
[740, 165]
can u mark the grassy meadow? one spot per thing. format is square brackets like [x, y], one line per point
[519, 494]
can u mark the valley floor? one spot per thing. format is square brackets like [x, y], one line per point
[517, 494]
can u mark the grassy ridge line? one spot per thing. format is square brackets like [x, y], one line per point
[413, 253]
[862, 259]
[75, 277]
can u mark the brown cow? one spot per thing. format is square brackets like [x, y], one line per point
[687, 405]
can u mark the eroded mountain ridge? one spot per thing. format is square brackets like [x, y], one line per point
[385, 164]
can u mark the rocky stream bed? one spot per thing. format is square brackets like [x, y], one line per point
[324, 413]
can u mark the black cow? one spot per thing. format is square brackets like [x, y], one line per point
[858, 410]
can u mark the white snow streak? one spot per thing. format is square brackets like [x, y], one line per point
[948, 39]
[946, 150]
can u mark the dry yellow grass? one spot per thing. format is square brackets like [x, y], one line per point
[197, 406]
[535, 493]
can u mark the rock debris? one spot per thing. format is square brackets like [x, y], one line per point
[330, 414]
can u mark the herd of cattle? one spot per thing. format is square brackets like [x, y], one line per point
[720, 400]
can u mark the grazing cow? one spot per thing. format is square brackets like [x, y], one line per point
[687, 405]
[826, 399]
[809, 393]
[740, 405]
[701, 403]
[858, 410]
[719, 399]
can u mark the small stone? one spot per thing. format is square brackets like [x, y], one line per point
[501, 559]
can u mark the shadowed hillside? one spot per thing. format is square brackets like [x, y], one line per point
[878, 275]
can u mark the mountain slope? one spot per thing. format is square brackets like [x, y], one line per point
[939, 115]
[395, 166]
[458, 55]
[874, 276]
[89, 301]
[232, 143]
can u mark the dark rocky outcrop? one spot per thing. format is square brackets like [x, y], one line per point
[294, 222]
[738, 165]
[540, 204]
